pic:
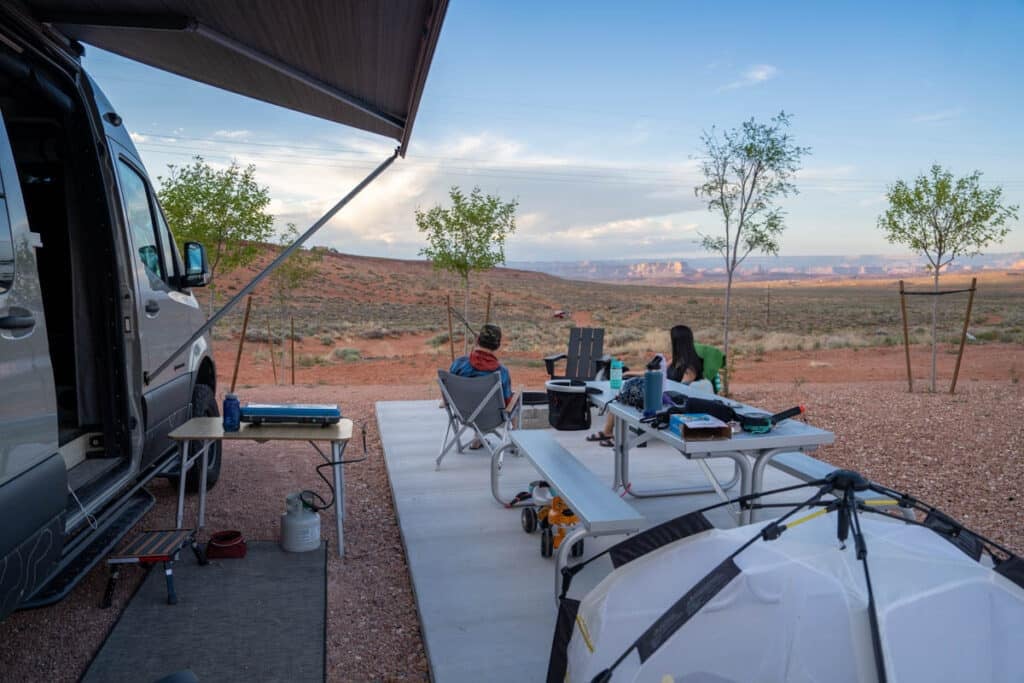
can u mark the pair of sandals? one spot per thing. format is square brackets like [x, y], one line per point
[601, 438]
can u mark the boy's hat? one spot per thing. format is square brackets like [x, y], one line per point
[489, 337]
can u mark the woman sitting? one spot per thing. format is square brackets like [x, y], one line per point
[686, 366]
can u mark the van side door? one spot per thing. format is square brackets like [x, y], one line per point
[165, 315]
[28, 411]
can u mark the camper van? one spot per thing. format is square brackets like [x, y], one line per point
[94, 294]
[103, 348]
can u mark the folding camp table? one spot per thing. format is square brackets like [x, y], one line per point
[209, 430]
[751, 453]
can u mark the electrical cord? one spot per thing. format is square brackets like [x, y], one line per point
[309, 496]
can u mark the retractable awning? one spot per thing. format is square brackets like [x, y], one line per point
[362, 63]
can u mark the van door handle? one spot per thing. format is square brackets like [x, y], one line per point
[152, 307]
[17, 322]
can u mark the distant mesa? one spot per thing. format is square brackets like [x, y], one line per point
[705, 269]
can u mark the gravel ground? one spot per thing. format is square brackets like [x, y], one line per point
[963, 453]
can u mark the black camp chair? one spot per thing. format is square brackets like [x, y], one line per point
[584, 359]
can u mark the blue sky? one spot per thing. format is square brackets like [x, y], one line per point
[591, 114]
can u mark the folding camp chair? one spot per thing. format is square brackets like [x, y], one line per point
[584, 359]
[474, 404]
[713, 360]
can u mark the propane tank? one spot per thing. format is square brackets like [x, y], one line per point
[300, 526]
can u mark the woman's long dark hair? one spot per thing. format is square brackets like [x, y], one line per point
[684, 355]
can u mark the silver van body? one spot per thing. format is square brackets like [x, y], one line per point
[93, 292]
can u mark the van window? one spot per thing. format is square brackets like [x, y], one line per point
[140, 220]
[6, 248]
[167, 242]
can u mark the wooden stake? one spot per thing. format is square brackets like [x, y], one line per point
[963, 336]
[293, 351]
[487, 315]
[241, 342]
[270, 342]
[906, 338]
[451, 338]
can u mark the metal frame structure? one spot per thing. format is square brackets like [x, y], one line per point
[458, 423]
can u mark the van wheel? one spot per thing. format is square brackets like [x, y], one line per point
[204, 404]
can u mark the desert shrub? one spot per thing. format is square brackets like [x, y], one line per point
[260, 336]
[308, 360]
[347, 355]
[326, 340]
[438, 339]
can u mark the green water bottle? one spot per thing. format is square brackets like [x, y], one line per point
[616, 374]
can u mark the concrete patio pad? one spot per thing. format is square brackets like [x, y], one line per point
[485, 595]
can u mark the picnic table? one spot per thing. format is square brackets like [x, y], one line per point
[751, 453]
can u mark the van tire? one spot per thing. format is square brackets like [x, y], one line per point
[204, 404]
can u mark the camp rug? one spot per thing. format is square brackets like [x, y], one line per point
[261, 618]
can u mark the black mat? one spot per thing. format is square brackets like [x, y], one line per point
[256, 619]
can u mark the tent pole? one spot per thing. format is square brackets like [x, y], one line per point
[148, 376]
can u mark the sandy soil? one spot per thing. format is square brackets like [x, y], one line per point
[408, 359]
[964, 453]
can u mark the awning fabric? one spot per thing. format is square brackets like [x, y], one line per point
[362, 63]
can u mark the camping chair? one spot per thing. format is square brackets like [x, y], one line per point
[475, 404]
[713, 360]
[584, 359]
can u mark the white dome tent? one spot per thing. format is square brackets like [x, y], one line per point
[846, 596]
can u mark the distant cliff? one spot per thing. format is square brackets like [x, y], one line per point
[702, 269]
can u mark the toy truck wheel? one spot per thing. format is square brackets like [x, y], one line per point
[577, 549]
[529, 520]
[547, 542]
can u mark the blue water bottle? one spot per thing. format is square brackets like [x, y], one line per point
[232, 413]
[616, 374]
[653, 385]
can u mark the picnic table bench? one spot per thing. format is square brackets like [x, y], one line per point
[807, 468]
[601, 511]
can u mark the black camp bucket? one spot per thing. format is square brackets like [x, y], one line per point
[568, 408]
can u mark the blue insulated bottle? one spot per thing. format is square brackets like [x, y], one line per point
[232, 413]
[653, 385]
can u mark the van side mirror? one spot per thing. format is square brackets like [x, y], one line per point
[197, 269]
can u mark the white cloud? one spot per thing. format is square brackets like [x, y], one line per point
[569, 206]
[233, 134]
[938, 116]
[755, 75]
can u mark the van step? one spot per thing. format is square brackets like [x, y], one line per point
[111, 528]
[89, 470]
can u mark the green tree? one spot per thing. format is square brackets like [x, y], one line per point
[746, 171]
[225, 210]
[469, 236]
[292, 274]
[944, 217]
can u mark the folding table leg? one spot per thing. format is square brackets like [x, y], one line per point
[183, 470]
[108, 594]
[337, 449]
[172, 597]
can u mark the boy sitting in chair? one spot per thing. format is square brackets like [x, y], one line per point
[482, 361]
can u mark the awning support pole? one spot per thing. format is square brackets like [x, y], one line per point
[273, 264]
